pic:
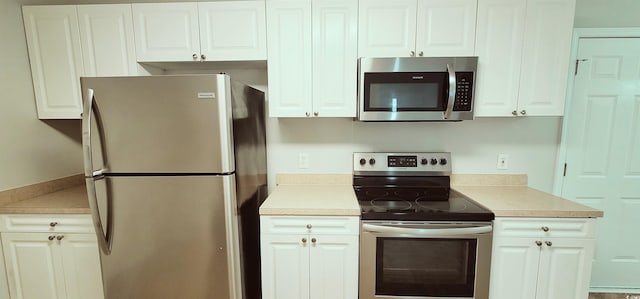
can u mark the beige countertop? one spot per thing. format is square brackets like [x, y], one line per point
[523, 201]
[62, 196]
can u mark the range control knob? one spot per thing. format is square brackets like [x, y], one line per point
[424, 161]
[443, 161]
[363, 161]
[372, 161]
[434, 161]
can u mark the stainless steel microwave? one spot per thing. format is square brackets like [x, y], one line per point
[416, 88]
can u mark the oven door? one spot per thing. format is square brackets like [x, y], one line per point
[424, 260]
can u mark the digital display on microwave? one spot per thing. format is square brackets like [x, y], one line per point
[402, 161]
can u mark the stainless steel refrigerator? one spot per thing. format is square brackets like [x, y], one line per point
[175, 170]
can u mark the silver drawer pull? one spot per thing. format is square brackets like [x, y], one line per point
[539, 243]
[545, 228]
[548, 243]
[53, 224]
[309, 226]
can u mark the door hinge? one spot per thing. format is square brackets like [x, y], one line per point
[575, 72]
[564, 172]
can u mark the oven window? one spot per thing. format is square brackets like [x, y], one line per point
[393, 92]
[425, 267]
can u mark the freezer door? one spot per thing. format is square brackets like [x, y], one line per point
[158, 124]
[169, 237]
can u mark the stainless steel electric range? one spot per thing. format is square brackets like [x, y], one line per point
[419, 239]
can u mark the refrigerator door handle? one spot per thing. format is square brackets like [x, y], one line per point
[90, 174]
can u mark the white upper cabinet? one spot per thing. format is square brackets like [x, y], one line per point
[519, 73]
[106, 32]
[233, 30]
[190, 31]
[416, 28]
[55, 58]
[166, 32]
[312, 58]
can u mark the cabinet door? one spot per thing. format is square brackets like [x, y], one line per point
[333, 267]
[289, 58]
[335, 57]
[34, 270]
[81, 264]
[233, 30]
[545, 68]
[387, 28]
[106, 32]
[514, 268]
[166, 31]
[499, 38]
[285, 266]
[565, 268]
[446, 27]
[56, 59]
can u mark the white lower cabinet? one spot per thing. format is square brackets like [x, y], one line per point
[46, 261]
[542, 258]
[309, 257]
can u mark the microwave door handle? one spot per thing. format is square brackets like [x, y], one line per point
[452, 92]
[422, 232]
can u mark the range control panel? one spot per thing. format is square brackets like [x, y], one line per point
[438, 163]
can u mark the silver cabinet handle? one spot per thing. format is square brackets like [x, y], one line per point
[307, 114]
[315, 114]
[523, 112]
[412, 53]
[548, 243]
[514, 113]
[304, 240]
[51, 237]
[313, 240]
[421, 54]
[539, 243]
[545, 228]
[53, 224]
[309, 226]
[452, 92]
[60, 237]
[203, 57]
[195, 56]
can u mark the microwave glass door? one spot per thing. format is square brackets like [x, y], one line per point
[395, 92]
[425, 267]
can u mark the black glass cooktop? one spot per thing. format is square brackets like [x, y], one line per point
[415, 199]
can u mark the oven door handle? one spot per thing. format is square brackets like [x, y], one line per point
[381, 229]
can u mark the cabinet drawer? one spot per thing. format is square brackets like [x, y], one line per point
[309, 225]
[545, 227]
[46, 223]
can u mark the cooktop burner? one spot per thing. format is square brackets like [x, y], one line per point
[410, 187]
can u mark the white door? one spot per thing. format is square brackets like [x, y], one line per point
[34, 269]
[106, 32]
[387, 28]
[81, 264]
[335, 57]
[333, 267]
[289, 58]
[603, 153]
[285, 266]
[565, 268]
[233, 30]
[499, 37]
[56, 59]
[545, 57]
[446, 27]
[514, 268]
[166, 31]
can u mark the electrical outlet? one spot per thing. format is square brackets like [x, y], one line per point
[503, 161]
[303, 160]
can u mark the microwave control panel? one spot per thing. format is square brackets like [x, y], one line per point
[464, 91]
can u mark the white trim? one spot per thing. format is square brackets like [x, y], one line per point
[613, 290]
[580, 33]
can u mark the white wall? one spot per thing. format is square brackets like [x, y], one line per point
[607, 13]
[31, 150]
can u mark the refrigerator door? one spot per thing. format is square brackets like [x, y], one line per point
[169, 237]
[158, 124]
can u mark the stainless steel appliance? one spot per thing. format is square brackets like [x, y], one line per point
[175, 170]
[416, 88]
[419, 239]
